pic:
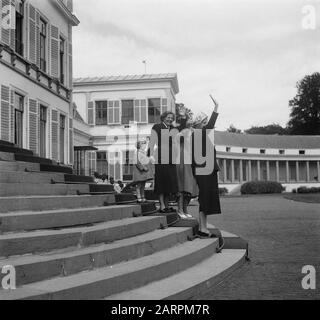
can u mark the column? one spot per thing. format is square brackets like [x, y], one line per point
[277, 171]
[258, 167]
[308, 171]
[297, 171]
[232, 171]
[241, 171]
[225, 170]
[268, 171]
[249, 171]
[288, 172]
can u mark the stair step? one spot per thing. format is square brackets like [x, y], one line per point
[101, 188]
[192, 283]
[6, 143]
[56, 168]
[110, 280]
[40, 267]
[40, 203]
[64, 218]
[13, 149]
[18, 166]
[29, 189]
[75, 178]
[6, 156]
[30, 177]
[32, 158]
[44, 241]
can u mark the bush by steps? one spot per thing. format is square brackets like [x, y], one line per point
[262, 187]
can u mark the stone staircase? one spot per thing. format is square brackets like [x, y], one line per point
[71, 239]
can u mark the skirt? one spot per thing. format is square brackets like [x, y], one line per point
[186, 180]
[143, 176]
[209, 198]
[165, 179]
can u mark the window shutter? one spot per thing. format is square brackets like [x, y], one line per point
[144, 111]
[54, 51]
[70, 65]
[38, 39]
[6, 22]
[117, 112]
[54, 134]
[33, 125]
[137, 117]
[91, 113]
[5, 113]
[32, 34]
[71, 141]
[12, 116]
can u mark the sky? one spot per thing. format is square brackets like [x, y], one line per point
[249, 54]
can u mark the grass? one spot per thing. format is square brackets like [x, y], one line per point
[309, 198]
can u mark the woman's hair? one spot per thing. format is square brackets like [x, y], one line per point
[165, 114]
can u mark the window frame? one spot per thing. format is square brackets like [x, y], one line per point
[97, 123]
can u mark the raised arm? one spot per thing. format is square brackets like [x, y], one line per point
[212, 122]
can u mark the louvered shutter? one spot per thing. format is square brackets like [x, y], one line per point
[12, 116]
[5, 113]
[70, 69]
[6, 22]
[54, 51]
[13, 25]
[91, 113]
[38, 52]
[55, 134]
[32, 35]
[71, 140]
[33, 125]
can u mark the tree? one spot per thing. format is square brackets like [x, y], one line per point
[305, 107]
[268, 130]
[233, 129]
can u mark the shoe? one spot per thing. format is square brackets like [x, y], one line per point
[163, 211]
[170, 210]
[182, 215]
[189, 216]
[204, 235]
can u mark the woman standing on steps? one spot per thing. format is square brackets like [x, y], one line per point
[206, 173]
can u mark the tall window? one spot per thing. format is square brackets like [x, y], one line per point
[154, 110]
[19, 28]
[101, 112]
[43, 41]
[102, 163]
[62, 52]
[140, 111]
[128, 164]
[113, 112]
[18, 119]
[127, 111]
[62, 135]
[43, 131]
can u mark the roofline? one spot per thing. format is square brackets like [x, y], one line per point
[67, 13]
[173, 80]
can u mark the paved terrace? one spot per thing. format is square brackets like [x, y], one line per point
[284, 236]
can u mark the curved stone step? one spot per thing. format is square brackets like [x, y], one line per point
[30, 177]
[31, 189]
[40, 203]
[18, 166]
[192, 283]
[27, 221]
[6, 156]
[56, 168]
[40, 267]
[14, 149]
[47, 240]
[106, 281]
[32, 158]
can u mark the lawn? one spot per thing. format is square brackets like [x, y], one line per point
[309, 198]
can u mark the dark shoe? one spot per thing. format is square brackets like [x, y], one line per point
[204, 235]
[163, 211]
[170, 210]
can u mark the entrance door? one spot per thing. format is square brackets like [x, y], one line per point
[62, 137]
[18, 120]
[43, 131]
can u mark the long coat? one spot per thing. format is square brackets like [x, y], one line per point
[207, 179]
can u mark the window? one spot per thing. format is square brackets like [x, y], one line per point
[62, 123]
[102, 163]
[113, 112]
[19, 28]
[281, 152]
[262, 151]
[43, 41]
[154, 110]
[43, 131]
[101, 112]
[140, 111]
[244, 150]
[128, 164]
[62, 52]
[127, 111]
[164, 105]
[302, 152]
[228, 149]
[18, 119]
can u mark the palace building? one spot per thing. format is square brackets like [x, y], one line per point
[36, 76]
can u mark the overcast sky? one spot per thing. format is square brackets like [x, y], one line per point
[249, 54]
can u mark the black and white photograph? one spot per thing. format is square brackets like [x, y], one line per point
[156, 150]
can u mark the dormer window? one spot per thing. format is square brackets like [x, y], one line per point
[262, 151]
[302, 152]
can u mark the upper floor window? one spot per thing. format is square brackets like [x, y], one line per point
[113, 112]
[101, 112]
[262, 151]
[62, 55]
[228, 149]
[140, 111]
[127, 111]
[302, 152]
[244, 150]
[281, 152]
[43, 45]
[19, 28]
[154, 110]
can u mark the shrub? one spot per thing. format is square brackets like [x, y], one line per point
[294, 191]
[308, 190]
[223, 191]
[97, 175]
[104, 177]
[262, 187]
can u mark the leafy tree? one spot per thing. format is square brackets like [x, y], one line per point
[305, 107]
[233, 129]
[268, 130]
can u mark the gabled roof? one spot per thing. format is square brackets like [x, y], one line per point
[129, 79]
[266, 141]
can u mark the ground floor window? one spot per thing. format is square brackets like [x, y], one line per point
[43, 131]
[102, 163]
[18, 119]
[62, 125]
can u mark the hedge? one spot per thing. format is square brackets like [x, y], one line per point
[262, 187]
[308, 190]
